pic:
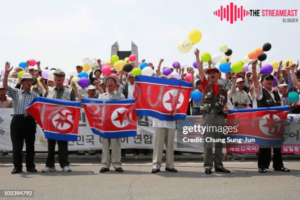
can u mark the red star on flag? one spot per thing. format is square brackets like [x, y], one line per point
[272, 124]
[120, 117]
[172, 99]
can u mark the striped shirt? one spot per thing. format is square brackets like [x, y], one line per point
[21, 99]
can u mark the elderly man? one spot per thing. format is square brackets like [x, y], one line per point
[59, 92]
[115, 144]
[23, 126]
[267, 97]
[240, 98]
[79, 69]
[129, 87]
[213, 106]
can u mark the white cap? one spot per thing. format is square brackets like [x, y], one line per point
[240, 80]
[283, 84]
[91, 87]
[32, 67]
[26, 76]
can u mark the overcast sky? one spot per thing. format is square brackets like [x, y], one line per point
[61, 33]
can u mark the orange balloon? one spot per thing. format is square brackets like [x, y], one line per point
[253, 55]
[109, 64]
[259, 50]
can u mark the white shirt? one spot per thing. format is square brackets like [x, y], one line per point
[164, 124]
[130, 91]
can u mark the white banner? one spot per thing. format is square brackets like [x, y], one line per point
[12, 82]
[86, 139]
[144, 140]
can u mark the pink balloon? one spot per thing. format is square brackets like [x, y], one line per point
[132, 58]
[248, 107]
[188, 77]
[106, 71]
[32, 62]
[45, 74]
[115, 75]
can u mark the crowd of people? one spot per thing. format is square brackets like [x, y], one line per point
[235, 91]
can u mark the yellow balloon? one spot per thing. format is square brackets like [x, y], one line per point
[223, 60]
[75, 79]
[184, 46]
[94, 66]
[246, 59]
[119, 65]
[195, 36]
[285, 62]
[275, 64]
[86, 67]
[126, 60]
[223, 48]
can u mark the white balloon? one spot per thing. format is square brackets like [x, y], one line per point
[147, 71]
[184, 65]
[184, 46]
[72, 73]
[51, 75]
[216, 58]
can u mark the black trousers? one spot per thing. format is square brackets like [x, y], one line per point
[23, 128]
[264, 158]
[62, 153]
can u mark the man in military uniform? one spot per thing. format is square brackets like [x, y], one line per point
[213, 106]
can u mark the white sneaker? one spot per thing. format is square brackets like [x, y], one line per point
[49, 169]
[66, 169]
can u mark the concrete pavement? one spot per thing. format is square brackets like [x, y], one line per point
[85, 182]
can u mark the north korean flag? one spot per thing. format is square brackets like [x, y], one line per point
[58, 118]
[265, 125]
[111, 118]
[164, 99]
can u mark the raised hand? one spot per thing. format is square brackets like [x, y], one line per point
[161, 60]
[254, 63]
[7, 68]
[143, 60]
[197, 52]
[96, 83]
[38, 63]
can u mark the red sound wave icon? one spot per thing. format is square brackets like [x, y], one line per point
[231, 12]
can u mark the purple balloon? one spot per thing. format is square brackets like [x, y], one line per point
[195, 64]
[167, 71]
[45, 74]
[178, 64]
[275, 81]
[83, 82]
[245, 68]
[266, 69]
[2, 72]
[176, 75]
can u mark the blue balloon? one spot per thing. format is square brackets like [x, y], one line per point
[293, 97]
[196, 95]
[83, 75]
[143, 65]
[23, 65]
[224, 67]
